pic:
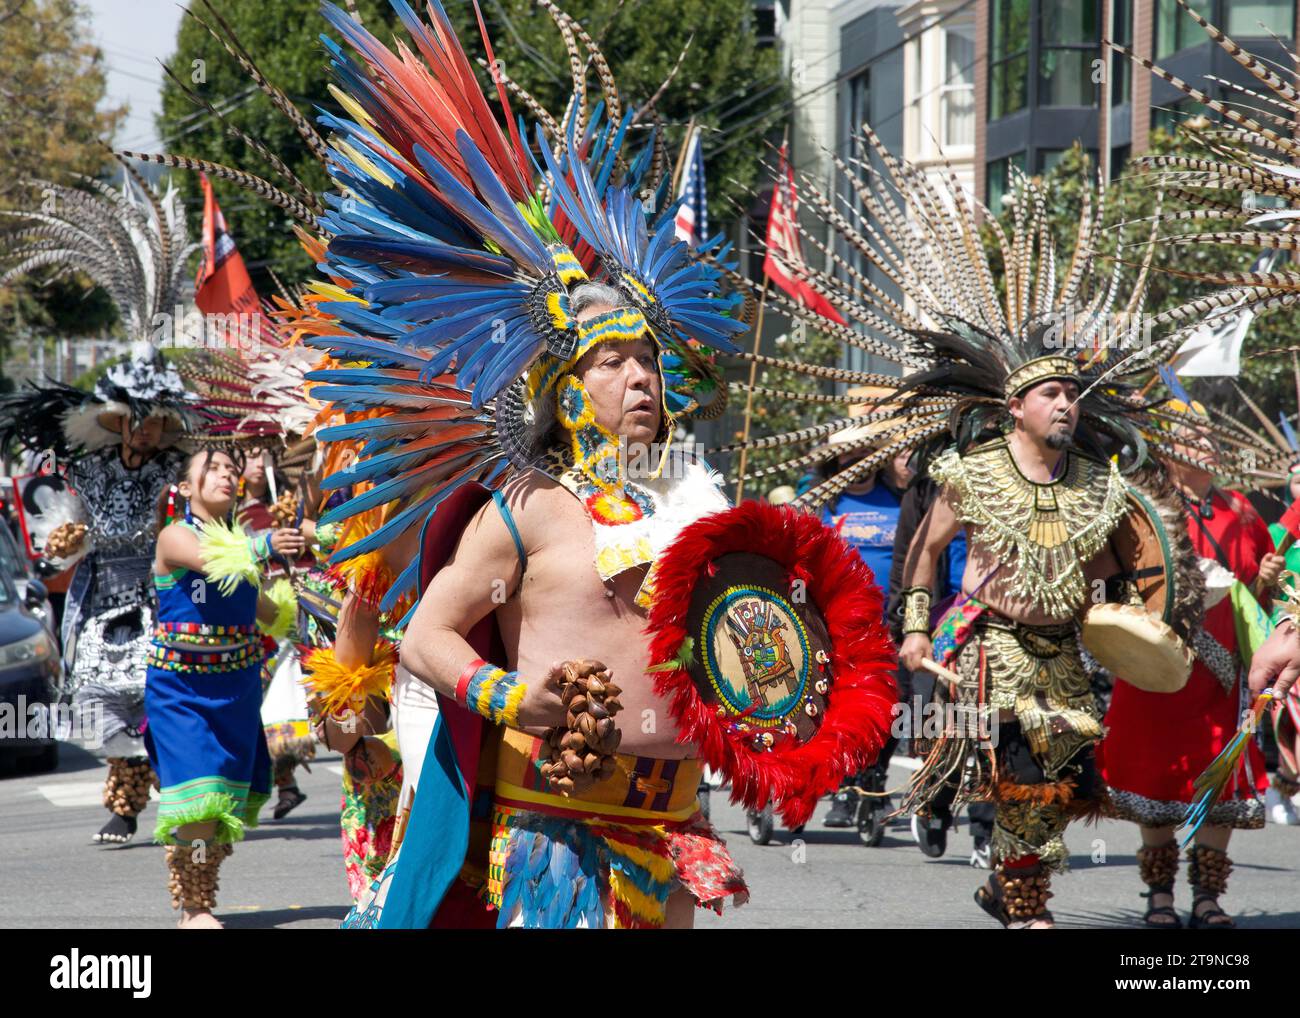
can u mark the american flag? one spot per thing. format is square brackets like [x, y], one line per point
[692, 223]
[784, 264]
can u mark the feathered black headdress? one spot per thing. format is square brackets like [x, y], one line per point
[969, 334]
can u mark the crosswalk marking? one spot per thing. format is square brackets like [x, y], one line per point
[73, 793]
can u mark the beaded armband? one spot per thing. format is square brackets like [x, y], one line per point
[916, 610]
[491, 692]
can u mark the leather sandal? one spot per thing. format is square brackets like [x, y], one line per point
[1149, 918]
[1206, 920]
[1208, 873]
[991, 898]
[1158, 868]
[987, 899]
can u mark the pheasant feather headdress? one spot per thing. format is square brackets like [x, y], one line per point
[972, 313]
[1248, 194]
[133, 244]
[970, 329]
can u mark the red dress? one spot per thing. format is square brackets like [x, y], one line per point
[1156, 744]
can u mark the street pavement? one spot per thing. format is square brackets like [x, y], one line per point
[289, 874]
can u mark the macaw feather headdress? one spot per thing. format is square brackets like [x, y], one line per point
[451, 235]
[451, 248]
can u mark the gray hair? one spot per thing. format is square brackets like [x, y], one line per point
[541, 430]
[540, 426]
[590, 295]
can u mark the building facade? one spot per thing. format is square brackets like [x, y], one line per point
[1043, 81]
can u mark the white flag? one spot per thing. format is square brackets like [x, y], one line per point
[1214, 349]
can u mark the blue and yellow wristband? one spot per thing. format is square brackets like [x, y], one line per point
[491, 692]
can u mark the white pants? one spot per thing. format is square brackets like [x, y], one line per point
[415, 710]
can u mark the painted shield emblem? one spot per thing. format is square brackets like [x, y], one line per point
[762, 652]
[768, 639]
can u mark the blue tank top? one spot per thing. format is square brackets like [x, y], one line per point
[199, 629]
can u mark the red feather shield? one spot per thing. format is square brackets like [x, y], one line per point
[787, 681]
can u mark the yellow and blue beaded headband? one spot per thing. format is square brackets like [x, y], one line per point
[622, 325]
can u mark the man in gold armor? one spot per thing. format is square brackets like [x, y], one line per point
[1037, 513]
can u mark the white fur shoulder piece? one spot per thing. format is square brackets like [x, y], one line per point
[684, 492]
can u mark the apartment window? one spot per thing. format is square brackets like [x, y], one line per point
[1246, 16]
[1121, 67]
[1168, 118]
[915, 120]
[998, 179]
[859, 107]
[1068, 46]
[1008, 57]
[1047, 159]
[1175, 30]
[1119, 156]
[957, 93]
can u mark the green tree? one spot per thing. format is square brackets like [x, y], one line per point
[283, 38]
[51, 85]
[642, 39]
[727, 81]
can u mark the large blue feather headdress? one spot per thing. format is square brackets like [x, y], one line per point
[450, 236]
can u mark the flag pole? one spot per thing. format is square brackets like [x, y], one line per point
[680, 168]
[758, 328]
[1295, 368]
[749, 396]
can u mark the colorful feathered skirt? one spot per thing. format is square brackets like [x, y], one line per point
[205, 736]
[368, 819]
[610, 857]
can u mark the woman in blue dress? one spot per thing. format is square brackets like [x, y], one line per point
[203, 694]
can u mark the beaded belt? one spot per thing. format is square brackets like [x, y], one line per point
[206, 629]
[200, 647]
[216, 660]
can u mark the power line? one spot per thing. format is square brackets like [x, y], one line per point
[758, 119]
[779, 73]
[127, 55]
[127, 74]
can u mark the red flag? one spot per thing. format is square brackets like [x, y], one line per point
[223, 286]
[784, 263]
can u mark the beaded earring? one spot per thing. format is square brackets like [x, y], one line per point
[169, 515]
